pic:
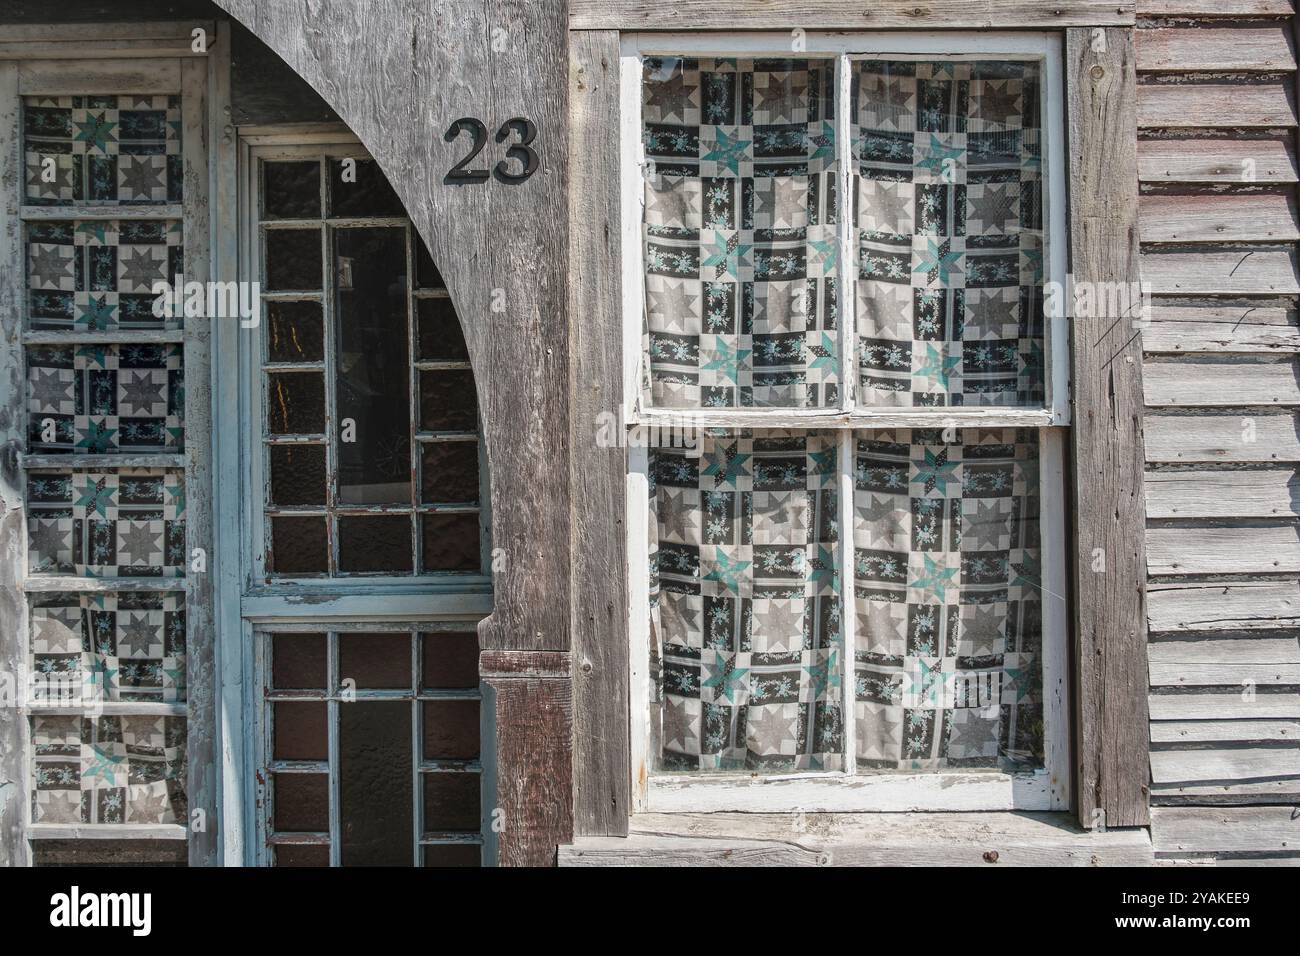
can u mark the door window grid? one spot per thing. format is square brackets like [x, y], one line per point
[446, 771]
[443, 507]
[647, 733]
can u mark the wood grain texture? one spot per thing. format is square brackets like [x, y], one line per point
[1224, 550]
[1202, 493]
[1225, 731]
[1223, 607]
[863, 839]
[1243, 437]
[1215, 8]
[1264, 102]
[1217, 381]
[1230, 217]
[601, 756]
[1210, 327]
[1110, 608]
[1237, 47]
[833, 15]
[398, 72]
[1192, 159]
[1176, 830]
[1225, 765]
[1214, 270]
[1229, 704]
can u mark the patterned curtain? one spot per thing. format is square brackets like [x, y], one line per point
[948, 234]
[740, 235]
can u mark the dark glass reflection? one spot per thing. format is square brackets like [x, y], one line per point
[375, 767]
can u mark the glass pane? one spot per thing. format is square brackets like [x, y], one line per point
[293, 260]
[451, 542]
[364, 191]
[375, 661]
[745, 598]
[297, 474]
[302, 803]
[948, 600]
[375, 543]
[447, 401]
[375, 766]
[373, 365]
[449, 472]
[451, 802]
[298, 662]
[453, 854]
[450, 729]
[740, 232]
[449, 660]
[948, 233]
[295, 403]
[292, 855]
[441, 338]
[298, 546]
[294, 332]
[426, 273]
[291, 190]
[300, 730]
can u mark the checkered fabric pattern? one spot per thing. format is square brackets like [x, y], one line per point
[948, 600]
[99, 399]
[740, 235]
[948, 232]
[96, 275]
[118, 647]
[106, 524]
[109, 149]
[746, 602]
[108, 769]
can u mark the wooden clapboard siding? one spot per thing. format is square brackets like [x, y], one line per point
[1237, 216]
[1217, 164]
[1192, 158]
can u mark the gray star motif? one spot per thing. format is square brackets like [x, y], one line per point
[141, 178]
[47, 542]
[981, 631]
[679, 619]
[889, 99]
[678, 724]
[781, 95]
[883, 521]
[677, 518]
[674, 202]
[985, 527]
[48, 266]
[142, 394]
[889, 208]
[141, 268]
[49, 390]
[768, 731]
[674, 307]
[782, 626]
[879, 628]
[138, 637]
[997, 106]
[149, 807]
[138, 543]
[60, 806]
[993, 208]
[973, 737]
[784, 199]
[671, 97]
[887, 312]
[36, 177]
[880, 734]
[56, 630]
[988, 314]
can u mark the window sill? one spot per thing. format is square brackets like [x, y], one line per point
[860, 839]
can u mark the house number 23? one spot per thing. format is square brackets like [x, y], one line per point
[519, 154]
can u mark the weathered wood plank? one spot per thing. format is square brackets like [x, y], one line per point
[1238, 47]
[1247, 550]
[1244, 437]
[1226, 794]
[900, 839]
[1227, 765]
[1223, 494]
[1110, 609]
[601, 757]
[1222, 607]
[1214, 271]
[1264, 103]
[1236, 704]
[1221, 328]
[1225, 731]
[833, 15]
[1215, 8]
[1228, 159]
[1217, 382]
[1227, 217]
[1183, 674]
[1235, 651]
[1225, 830]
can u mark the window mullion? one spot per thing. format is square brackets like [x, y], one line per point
[848, 628]
[845, 287]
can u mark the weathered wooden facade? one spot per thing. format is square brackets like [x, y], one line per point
[1138, 697]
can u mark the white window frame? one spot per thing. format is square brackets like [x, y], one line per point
[1047, 788]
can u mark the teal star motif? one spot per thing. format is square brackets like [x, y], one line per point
[97, 439]
[177, 491]
[825, 354]
[95, 228]
[938, 366]
[726, 256]
[1017, 680]
[727, 151]
[729, 360]
[726, 464]
[103, 764]
[825, 253]
[177, 433]
[96, 496]
[936, 471]
[824, 140]
[934, 578]
[824, 676]
[823, 462]
[1034, 259]
[726, 679]
[936, 154]
[925, 682]
[177, 674]
[96, 314]
[1028, 573]
[96, 132]
[727, 572]
[938, 261]
[825, 571]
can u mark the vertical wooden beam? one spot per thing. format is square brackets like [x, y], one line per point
[1112, 764]
[601, 774]
[14, 849]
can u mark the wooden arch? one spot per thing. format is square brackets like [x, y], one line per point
[399, 73]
